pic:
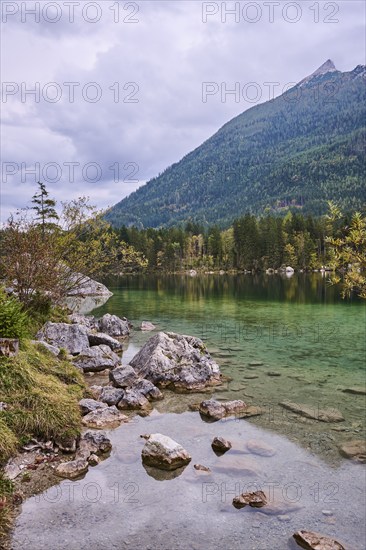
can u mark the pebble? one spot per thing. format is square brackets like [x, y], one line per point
[327, 512]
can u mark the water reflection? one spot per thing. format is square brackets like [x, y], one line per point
[300, 287]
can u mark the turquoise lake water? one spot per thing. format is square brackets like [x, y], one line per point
[277, 339]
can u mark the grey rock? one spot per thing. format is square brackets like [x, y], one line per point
[176, 361]
[97, 358]
[315, 541]
[74, 338]
[100, 418]
[216, 409]
[53, 349]
[88, 287]
[98, 338]
[146, 325]
[87, 321]
[256, 499]
[96, 390]
[147, 389]
[113, 325]
[123, 376]
[133, 400]
[66, 444]
[110, 395]
[260, 448]
[93, 442]
[201, 468]
[93, 460]
[354, 449]
[72, 469]
[322, 415]
[164, 453]
[9, 347]
[356, 390]
[220, 445]
[89, 405]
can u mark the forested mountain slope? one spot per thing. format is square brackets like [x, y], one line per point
[297, 151]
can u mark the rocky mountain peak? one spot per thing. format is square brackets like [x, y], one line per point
[326, 67]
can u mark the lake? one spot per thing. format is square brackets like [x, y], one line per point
[278, 339]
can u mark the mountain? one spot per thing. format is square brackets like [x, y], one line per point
[296, 151]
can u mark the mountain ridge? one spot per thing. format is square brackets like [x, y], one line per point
[295, 151]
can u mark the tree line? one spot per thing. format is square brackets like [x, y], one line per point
[250, 243]
[45, 254]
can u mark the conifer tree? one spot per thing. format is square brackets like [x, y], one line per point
[45, 209]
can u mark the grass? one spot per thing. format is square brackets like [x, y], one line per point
[6, 491]
[41, 393]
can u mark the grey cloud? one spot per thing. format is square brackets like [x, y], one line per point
[169, 54]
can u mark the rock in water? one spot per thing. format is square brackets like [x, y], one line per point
[88, 405]
[113, 325]
[74, 338]
[323, 415]
[89, 321]
[146, 325]
[132, 399]
[88, 287]
[256, 499]
[100, 418]
[217, 409]
[260, 448]
[72, 469]
[110, 395]
[201, 468]
[355, 449]
[315, 541]
[93, 442]
[220, 445]
[97, 358]
[180, 362]
[357, 390]
[164, 453]
[123, 376]
[97, 338]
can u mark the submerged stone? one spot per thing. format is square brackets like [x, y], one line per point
[354, 449]
[322, 415]
[315, 541]
[216, 409]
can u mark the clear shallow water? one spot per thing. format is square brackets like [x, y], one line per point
[297, 328]
[119, 504]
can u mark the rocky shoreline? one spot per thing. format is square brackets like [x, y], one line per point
[167, 361]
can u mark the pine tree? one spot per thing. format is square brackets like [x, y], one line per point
[45, 208]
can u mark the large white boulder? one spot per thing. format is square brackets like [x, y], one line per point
[176, 361]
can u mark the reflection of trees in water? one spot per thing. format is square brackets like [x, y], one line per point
[161, 293]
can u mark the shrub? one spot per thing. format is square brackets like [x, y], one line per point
[14, 321]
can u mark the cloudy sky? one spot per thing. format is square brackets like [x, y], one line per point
[98, 97]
